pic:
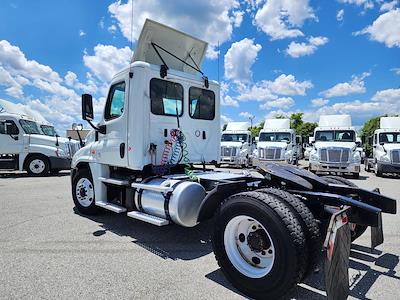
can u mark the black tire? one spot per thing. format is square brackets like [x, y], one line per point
[356, 175]
[378, 170]
[86, 210]
[358, 230]
[41, 168]
[287, 237]
[309, 225]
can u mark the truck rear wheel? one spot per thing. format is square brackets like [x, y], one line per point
[37, 165]
[259, 244]
[309, 225]
[83, 192]
[356, 230]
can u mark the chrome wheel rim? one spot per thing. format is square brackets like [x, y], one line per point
[37, 166]
[84, 192]
[249, 246]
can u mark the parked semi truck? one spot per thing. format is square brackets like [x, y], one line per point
[277, 142]
[24, 146]
[335, 148]
[236, 144]
[386, 147]
[160, 121]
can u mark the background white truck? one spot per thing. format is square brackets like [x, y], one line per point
[236, 144]
[386, 147]
[277, 142]
[24, 146]
[335, 146]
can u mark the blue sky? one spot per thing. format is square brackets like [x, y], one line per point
[275, 56]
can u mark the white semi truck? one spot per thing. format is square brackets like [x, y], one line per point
[159, 121]
[277, 142]
[236, 144]
[24, 146]
[335, 148]
[386, 147]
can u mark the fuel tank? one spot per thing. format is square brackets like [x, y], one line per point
[183, 205]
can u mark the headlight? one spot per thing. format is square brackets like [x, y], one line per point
[356, 157]
[314, 156]
[384, 158]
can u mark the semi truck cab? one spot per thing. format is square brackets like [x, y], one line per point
[277, 142]
[334, 146]
[236, 144]
[386, 147]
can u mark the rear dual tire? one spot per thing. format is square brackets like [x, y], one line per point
[259, 244]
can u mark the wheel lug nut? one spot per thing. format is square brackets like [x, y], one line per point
[242, 238]
[254, 227]
[255, 260]
[262, 252]
[270, 251]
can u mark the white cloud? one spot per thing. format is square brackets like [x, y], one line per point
[282, 103]
[388, 96]
[319, 102]
[209, 20]
[265, 90]
[300, 49]
[282, 18]
[71, 79]
[13, 87]
[356, 86]
[82, 33]
[246, 115]
[239, 59]
[229, 101]
[112, 28]
[386, 6]
[107, 60]
[385, 29]
[237, 18]
[340, 15]
[396, 70]
[367, 4]
[225, 119]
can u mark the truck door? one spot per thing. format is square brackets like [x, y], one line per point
[11, 141]
[111, 148]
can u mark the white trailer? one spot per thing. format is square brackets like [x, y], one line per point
[277, 142]
[335, 146]
[236, 144]
[158, 121]
[386, 147]
[24, 146]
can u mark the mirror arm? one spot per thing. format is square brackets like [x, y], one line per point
[101, 128]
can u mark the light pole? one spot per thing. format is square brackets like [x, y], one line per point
[251, 118]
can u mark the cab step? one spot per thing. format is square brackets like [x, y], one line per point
[110, 206]
[114, 181]
[148, 218]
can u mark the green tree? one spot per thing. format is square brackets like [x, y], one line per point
[296, 120]
[306, 129]
[367, 131]
[255, 130]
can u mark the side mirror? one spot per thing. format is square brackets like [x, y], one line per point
[358, 144]
[87, 107]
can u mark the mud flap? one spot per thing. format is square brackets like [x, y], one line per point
[377, 233]
[337, 246]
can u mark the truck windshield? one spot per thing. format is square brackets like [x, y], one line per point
[48, 130]
[274, 136]
[389, 137]
[335, 135]
[29, 127]
[230, 137]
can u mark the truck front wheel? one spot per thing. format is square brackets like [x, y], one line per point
[37, 165]
[259, 244]
[83, 192]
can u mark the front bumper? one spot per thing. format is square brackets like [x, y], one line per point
[263, 162]
[335, 167]
[388, 168]
[233, 160]
[60, 163]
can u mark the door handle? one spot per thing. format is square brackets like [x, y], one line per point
[122, 150]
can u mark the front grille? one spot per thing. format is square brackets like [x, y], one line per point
[228, 151]
[269, 153]
[396, 156]
[336, 155]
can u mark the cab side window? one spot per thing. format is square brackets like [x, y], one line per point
[201, 104]
[8, 126]
[115, 101]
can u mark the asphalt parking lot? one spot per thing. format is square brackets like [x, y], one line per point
[49, 251]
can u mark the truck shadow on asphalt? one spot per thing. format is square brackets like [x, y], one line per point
[179, 243]
[15, 175]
